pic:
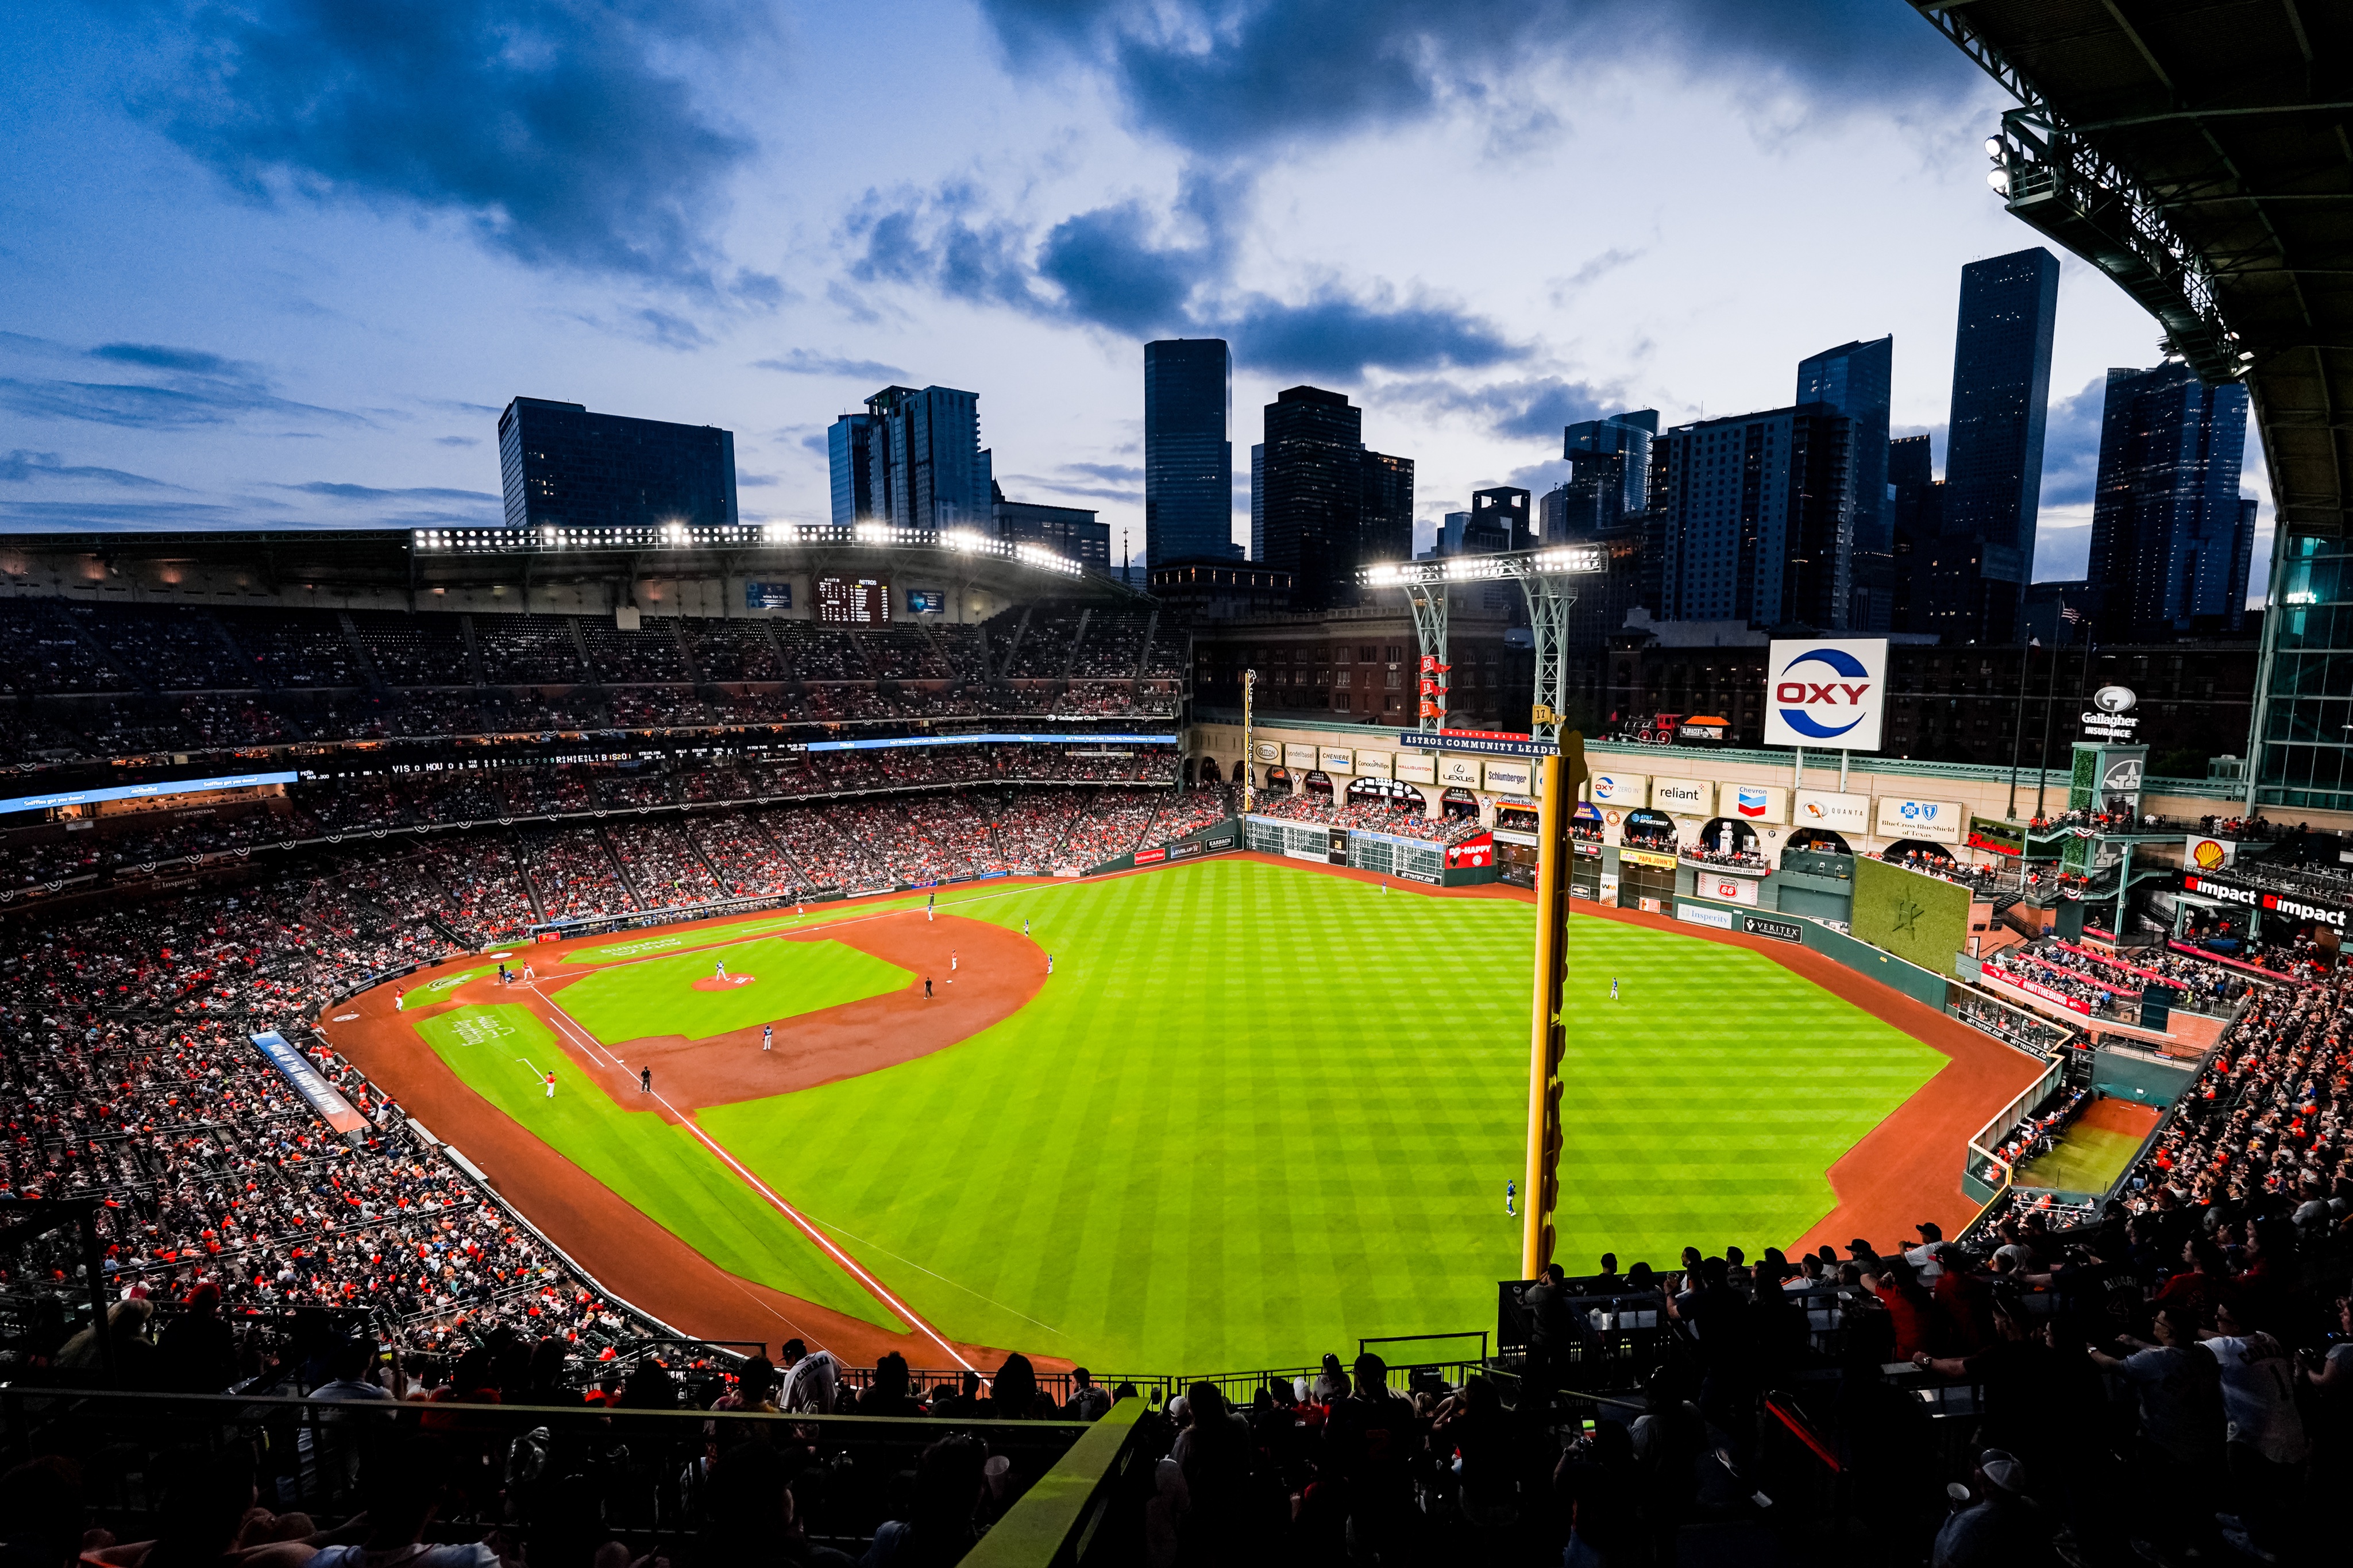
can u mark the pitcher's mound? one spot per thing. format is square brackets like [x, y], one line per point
[717, 982]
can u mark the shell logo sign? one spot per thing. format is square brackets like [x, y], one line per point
[2210, 854]
[1825, 692]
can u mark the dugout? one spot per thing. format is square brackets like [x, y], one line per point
[1727, 836]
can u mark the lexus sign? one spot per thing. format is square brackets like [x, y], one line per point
[1826, 692]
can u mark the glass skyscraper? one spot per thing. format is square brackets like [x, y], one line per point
[1993, 451]
[561, 466]
[1858, 380]
[1188, 450]
[2171, 537]
[1759, 519]
[1315, 492]
[914, 458]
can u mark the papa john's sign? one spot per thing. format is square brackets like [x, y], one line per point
[1825, 692]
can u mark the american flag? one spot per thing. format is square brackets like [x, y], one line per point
[2070, 613]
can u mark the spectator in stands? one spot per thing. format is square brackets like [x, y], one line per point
[939, 1527]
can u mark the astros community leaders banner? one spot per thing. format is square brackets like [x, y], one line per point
[1825, 692]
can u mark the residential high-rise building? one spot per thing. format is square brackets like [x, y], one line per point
[1258, 502]
[1993, 447]
[2171, 536]
[1068, 531]
[1610, 473]
[1188, 450]
[922, 466]
[1915, 514]
[563, 466]
[1759, 519]
[1858, 380]
[1313, 492]
[849, 443]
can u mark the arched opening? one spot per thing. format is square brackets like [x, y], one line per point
[1279, 779]
[1648, 830]
[1319, 784]
[1585, 823]
[1209, 773]
[1514, 817]
[1459, 803]
[1917, 852]
[1821, 839]
[1384, 789]
[1729, 836]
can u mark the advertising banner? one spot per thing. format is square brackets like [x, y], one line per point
[333, 1108]
[1620, 790]
[1753, 803]
[1416, 767]
[1373, 765]
[2257, 899]
[1725, 887]
[2036, 988]
[1459, 773]
[1657, 862]
[1992, 832]
[2204, 854]
[1778, 930]
[1832, 812]
[1609, 889]
[1700, 915]
[1683, 798]
[1338, 760]
[1825, 692]
[1303, 758]
[1933, 821]
[1151, 857]
[1476, 850]
[767, 595]
[1266, 751]
[1509, 778]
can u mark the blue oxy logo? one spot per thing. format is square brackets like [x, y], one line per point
[1822, 694]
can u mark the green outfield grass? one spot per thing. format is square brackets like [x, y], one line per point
[1259, 1111]
[656, 996]
[660, 1168]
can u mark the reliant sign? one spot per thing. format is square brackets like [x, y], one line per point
[1683, 798]
[1825, 692]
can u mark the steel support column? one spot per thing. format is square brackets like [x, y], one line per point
[1427, 602]
[1549, 596]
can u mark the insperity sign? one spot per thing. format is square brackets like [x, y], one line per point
[1826, 692]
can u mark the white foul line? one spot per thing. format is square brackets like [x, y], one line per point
[570, 1028]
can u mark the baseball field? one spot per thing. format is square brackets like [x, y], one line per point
[1255, 1112]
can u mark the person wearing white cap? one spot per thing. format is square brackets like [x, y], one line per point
[2000, 1527]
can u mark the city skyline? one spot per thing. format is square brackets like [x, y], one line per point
[265, 329]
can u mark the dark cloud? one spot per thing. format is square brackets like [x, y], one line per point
[457, 440]
[1339, 336]
[755, 481]
[21, 467]
[63, 516]
[1568, 288]
[139, 407]
[801, 362]
[1533, 408]
[563, 131]
[663, 328]
[2070, 445]
[348, 492]
[196, 362]
[1227, 77]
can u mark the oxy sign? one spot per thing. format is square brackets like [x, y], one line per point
[1825, 692]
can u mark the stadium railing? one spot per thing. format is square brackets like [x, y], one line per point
[1980, 1148]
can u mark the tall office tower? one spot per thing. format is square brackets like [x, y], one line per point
[849, 443]
[1760, 522]
[1314, 493]
[1610, 473]
[1858, 379]
[1071, 531]
[1258, 501]
[1499, 522]
[1188, 450]
[1915, 514]
[2171, 537]
[563, 466]
[925, 467]
[1385, 524]
[1993, 446]
[1451, 532]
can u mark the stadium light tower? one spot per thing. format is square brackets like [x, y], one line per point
[1547, 577]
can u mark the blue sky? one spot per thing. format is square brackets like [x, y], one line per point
[279, 263]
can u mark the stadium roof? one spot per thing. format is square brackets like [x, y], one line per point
[2198, 153]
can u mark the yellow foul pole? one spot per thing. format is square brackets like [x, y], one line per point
[1562, 775]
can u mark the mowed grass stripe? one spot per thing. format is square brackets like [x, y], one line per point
[1258, 1111]
[657, 1167]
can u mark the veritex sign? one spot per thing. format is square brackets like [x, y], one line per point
[1780, 931]
[2257, 899]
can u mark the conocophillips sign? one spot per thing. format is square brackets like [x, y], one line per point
[2257, 899]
